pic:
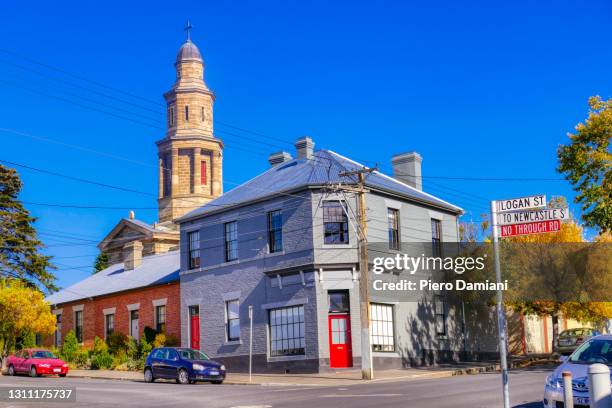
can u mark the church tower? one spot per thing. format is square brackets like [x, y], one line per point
[190, 156]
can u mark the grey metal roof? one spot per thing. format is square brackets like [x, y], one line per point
[154, 270]
[188, 51]
[322, 169]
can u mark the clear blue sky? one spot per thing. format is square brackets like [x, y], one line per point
[479, 89]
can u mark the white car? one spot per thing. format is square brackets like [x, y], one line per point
[595, 350]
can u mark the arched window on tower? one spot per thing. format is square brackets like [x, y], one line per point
[186, 113]
[171, 116]
[203, 116]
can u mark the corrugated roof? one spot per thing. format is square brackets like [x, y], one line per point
[322, 169]
[154, 270]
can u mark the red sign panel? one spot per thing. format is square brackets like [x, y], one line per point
[530, 228]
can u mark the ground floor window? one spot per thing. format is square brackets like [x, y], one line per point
[440, 306]
[381, 321]
[109, 325]
[134, 329]
[287, 331]
[78, 325]
[58, 331]
[160, 318]
[232, 322]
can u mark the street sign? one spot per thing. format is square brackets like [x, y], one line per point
[522, 203]
[528, 228]
[544, 214]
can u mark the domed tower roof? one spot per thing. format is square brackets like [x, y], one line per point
[188, 51]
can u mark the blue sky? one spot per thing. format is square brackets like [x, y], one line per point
[479, 89]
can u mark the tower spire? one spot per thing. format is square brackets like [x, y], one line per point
[188, 28]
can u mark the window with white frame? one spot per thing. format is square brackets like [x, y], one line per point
[109, 324]
[394, 228]
[194, 249]
[160, 318]
[381, 322]
[287, 331]
[231, 241]
[436, 237]
[232, 320]
[440, 311]
[335, 223]
[78, 325]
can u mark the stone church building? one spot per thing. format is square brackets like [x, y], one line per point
[141, 287]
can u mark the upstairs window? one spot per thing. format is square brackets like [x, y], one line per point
[167, 174]
[436, 237]
[335, 223]
[394, 228]
[186, 113]
[194, 249]
[231, 241]
[275, 231]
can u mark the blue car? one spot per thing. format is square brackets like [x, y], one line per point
[184, 365]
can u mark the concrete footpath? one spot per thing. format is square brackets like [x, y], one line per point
[332, 379]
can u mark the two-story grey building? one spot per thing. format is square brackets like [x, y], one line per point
[285, 244]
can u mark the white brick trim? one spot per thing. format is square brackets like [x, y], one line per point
[235, 295]
[160, 302]
[288, 303]
[110, 310]
[57, 311]
[78, 308]
[133, 306]
[397, 205]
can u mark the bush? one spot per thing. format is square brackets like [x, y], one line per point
[131, 348]
[116, 341]
[149, 334]
[99, 346]
[171, 341]
[81, 359]
[70, 347]
[120, 361]
[160, 340]
[101, 360]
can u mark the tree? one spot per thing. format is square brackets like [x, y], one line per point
[587, 163]
[23, 311]
[101, 262]
[19, 245]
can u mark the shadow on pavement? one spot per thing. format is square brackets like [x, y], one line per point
[535, 404]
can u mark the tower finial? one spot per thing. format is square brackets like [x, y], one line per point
[188, 28]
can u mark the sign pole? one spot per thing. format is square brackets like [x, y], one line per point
[501, 318]
[251, 343]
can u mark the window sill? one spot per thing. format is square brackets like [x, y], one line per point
[232, 343]
[338, 246]
[286, 358]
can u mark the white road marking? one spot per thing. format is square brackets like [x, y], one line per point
[359, 395]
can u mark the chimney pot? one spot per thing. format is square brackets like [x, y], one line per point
[278, 157]
[304, 147]
[132, 255]
[407, 168]
[131, 215]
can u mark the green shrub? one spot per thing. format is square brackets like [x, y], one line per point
[120, 361]
[70, 347]
[160, 340]
[149, 334]
[81, 359]
[99, 346]
[132, 349]
[116, 341]
[102, 360]
[27, 341]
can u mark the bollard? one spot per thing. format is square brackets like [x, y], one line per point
[568, 392]
[599, 386]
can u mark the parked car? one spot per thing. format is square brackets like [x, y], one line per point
[595, 350]
[570, 339]
[184, 365]
[36, 362]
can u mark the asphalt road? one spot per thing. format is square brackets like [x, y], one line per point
[482, 390]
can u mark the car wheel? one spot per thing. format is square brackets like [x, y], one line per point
[183, 377]
[148, 376]
[62, 375]
[33, 372]
[11, 370]
[217, 382]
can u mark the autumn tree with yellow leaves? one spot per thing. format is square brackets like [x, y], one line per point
[23, 310]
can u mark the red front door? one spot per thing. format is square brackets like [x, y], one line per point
[194, 327]
[340, 345]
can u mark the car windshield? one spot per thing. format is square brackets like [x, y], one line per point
[188, 354]
[594, 351]
[43, 354]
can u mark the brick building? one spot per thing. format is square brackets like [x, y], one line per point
[141, 287]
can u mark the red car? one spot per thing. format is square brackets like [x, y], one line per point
[36, 362]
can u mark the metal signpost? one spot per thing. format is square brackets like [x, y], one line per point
[251, 343]
[519, 211]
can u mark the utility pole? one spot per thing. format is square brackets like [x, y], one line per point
[367, 368]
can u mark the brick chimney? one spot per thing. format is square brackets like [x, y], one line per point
[132, 255]
[407, 168]
[304, 147]
[277, 158]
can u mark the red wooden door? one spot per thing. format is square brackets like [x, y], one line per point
[195, 331]
[340, 345]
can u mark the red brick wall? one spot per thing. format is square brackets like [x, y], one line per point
[93, 316]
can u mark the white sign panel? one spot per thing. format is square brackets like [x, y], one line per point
[521, 217]
[523, 203]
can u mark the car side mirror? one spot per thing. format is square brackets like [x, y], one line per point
[563, 359]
